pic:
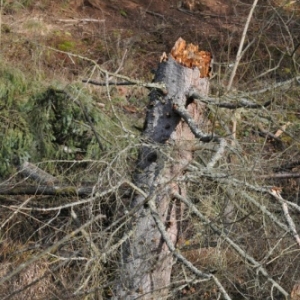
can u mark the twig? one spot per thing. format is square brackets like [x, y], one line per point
[33, 172]
[193, 126]
[235, 246]
[268, 134]
[104, 83]
[223, 180]
[112, 106]
[85, 234]
[158, 86]
[121, 63]
[80, 20]
[15, 212]
[218, 155]
[239, 53]
[154, 14]
[72, 204]
[290, 222]
[280, 176]
[61, 190]
[275, 86]
[288, 166]
[151, 85]
[50, 249]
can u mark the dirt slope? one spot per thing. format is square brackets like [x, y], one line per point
[103, 30]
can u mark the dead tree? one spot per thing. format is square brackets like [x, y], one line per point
[174, 126]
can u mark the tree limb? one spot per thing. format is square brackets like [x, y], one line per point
[239, 101]
[63, 190]
[275, 86]
[187, 263]
[184, 114]
[33, 172]
[280, 176]
[240, 50]
[235, 246]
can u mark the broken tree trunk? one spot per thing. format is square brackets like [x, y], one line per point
[145, 271]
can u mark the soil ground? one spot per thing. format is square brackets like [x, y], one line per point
[104, 30]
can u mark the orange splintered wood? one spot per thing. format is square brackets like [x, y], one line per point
[189, 56]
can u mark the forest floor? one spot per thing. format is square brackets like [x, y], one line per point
[60, 43]
[106, 31]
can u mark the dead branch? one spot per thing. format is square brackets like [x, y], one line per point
[109, 83]
[184, 114]
[33, 172]
[223, 180]
[80, 20]
[239, 102]
[241, 46]
[256, 265]
[218, 155]
[285, 84]
[85, 234]
[290, 222]
[148, 85]
[155, 14]
[288, 166]
[50, 249]
[178, 255]
[280, 176]
[63, 190]
[276, 192]
[158, 86]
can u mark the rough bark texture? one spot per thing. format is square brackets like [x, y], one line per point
[146, 267]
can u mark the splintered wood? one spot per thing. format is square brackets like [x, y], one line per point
[189, 56]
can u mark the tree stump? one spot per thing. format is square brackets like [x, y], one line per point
[146, 265]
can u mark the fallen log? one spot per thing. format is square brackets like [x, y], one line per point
[174, 123]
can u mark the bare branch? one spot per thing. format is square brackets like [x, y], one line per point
[239, 101]
[62, 190]
[159, 86]
[184, 114]
[270, 87]
[218, 155]
[280, 176]
[187, 263]
[86, 115]
[239, 53]
[50, 249]
[105, 84]
[85, 234]
[235, 246]
[290, 222]
[31, 171]
[276, 193]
